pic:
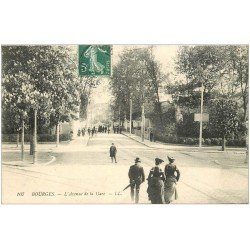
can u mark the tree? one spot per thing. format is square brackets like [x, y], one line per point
[224, 118]
[137, 76]
[41, 79]
[223, 71]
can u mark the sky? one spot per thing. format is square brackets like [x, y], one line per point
[163, 53]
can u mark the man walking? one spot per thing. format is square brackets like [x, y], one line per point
[112, 152]
[137, 177]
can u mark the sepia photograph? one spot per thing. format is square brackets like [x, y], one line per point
[125, 124]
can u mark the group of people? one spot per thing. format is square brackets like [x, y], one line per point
[117, 129]
[81, 132]
[161, 184]
[103, 129]
[93, 131]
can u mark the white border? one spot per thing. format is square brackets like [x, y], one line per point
[117, 226]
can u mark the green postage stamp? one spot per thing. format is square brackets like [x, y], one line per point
[94, 60]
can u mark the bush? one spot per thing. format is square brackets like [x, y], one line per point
[181, 140]
[65, 137]
[207, 141]
[9, 137]
[236, 142]
[171, 139]
[40, 137]
[216, 141]
[190, 141]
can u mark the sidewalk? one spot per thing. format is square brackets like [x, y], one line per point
[11, 154]
[179, 147]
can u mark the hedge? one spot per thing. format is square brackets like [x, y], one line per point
[40, 137]
[195, 141]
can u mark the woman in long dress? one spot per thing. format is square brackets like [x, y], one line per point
[156, 180]
[172, 175]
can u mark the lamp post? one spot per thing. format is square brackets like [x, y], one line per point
[247, 150]
[143, 123]
[22, 141]
[35, 137]
[200, 139]
[130, 116]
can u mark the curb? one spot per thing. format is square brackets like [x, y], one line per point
[137, 141]
[53, 158]
[190, 150]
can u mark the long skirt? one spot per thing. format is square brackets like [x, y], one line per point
[170, 190]
[156, 190]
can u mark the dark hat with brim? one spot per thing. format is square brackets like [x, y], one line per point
[137, 159]
[171, 159]
[158, 161]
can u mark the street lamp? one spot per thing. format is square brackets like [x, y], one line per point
[200, 139]
[200, 73]
[130, 115]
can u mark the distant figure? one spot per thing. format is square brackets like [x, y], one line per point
[71, 134]
[99, 128]
[156, 180]
[172, 174]
[105, 129]
[137, 177]
[83, 132]
[108, 130]
[93, 131]
[79, 132]
[89, 131]
[112, 152]
[151, 136]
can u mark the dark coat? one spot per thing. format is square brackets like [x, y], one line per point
[136, 174]
[172, 171]
[155, 188]
[112, 151]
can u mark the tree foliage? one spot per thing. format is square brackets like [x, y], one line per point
[137, 76]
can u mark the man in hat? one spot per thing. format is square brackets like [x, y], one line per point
[172, 174]
[137, 177]
[112, 152]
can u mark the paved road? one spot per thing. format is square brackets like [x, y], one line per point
[86, 175]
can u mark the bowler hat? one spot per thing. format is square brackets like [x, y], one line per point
[137, 159]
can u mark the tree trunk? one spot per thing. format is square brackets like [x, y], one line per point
[223, 143]
[17, 139]
[31, 142]
[22, 142]
[31, 121]
[35, 137]
[57, 134]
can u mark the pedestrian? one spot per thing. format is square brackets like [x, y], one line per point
[156, 180]
[83, 132]
[79, 132]
[151, 135]
[112, 152]
[93, 131]
[108, 130]
[89, 131]
[137, 177]
[172, 174]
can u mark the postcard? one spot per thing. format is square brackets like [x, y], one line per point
[125, 124]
